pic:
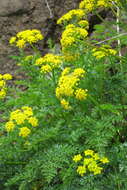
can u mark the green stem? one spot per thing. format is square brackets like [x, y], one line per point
[96, 103]
[54, 79]
[115, 14]
[35, 49]
[100, 17]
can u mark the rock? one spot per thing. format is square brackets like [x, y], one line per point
[10, 7]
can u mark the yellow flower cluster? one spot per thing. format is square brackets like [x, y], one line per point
[23, 116]
[49, 62]
[90, 5]
[84, 24]
[81, 94]
[72, 35]
[103, 51]
[24, 131]
[71, 15]
[91, 162]
[26, 37]
[3, 87]
[67, 86]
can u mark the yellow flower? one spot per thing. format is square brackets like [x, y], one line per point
[24, 131]
[27, 36]
[2, 83]
[87, 161]
[79, 72]
[9, 126]
[91, 162]
[72, 36]
[1, 76]
[103, 51]
[92, 166]
[66, 85]
[49, 62]
[12, 40]
[81, 94]
[72, 14]
[84, 24]
[77, 158]
[104, 160]
[96, 156]
[20, 43]
[18, 116]
[88, 152]
[81, 170]
[39, 61]
[7, 76]
[88, 5]
[46, 68]
[31, 39]
[27, 110]
[97, 170]
[2, 93]
[33, 121]
[65, 104]
[99, 54]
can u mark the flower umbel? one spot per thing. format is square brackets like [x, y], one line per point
[92, 162]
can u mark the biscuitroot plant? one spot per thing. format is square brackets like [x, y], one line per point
[64, 127]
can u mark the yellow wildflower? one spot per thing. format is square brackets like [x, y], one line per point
[39, 61]
[88, 5]
[77, 158]
[7, 76]
[71, 36]
[79, 72]
[92, 166]
[88, 152]
[81, 94]
[97, 170]
[65, 104]
[84, 24]
[18, 116]
[91, 162]
[72, 14]
[46, 68]
[81, 170]
[67, 83]
[27, 36]
[2, 83]
[12, 40]
[96, 156]
[9, 126]
[1, 76]
[87, 161]
[104, 160]
[20, 43]
[24, 131]
[33, 121]
[103, 51]
[2, 93]
[27, 110]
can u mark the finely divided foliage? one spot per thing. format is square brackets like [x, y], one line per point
[66, 127]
